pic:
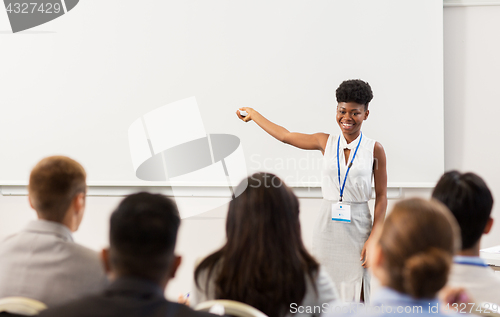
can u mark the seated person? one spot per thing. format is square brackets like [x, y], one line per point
[411, 255]
[470, 201]
[141, 260]
[264, 262]
[42, 261]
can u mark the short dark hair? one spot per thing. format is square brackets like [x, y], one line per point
[469, 200]
[53, 184]
[355, 90]
[142, 236]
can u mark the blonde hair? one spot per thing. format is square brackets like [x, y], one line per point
[53, 184]
[418, 241]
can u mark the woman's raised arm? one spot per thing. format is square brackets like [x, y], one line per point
[316, 141]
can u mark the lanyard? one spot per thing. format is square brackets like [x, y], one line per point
[471, 263]
[350, 164]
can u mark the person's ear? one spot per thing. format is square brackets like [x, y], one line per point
[367, 112]
[79, 201]
[31, 203]
[33, 207]
[106, 262]
[488, 226]
[176, 262]
[79, 206]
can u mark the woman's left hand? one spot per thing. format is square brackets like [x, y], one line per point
[363, 255]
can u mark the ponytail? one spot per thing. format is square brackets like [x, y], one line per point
[425, 273]
[418, 241]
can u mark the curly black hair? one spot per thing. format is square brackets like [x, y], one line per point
[354, 90]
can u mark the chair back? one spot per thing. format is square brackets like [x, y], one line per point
[224, 307]
[21, 306]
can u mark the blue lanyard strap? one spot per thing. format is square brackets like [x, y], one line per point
[471, 263]
[350, 164]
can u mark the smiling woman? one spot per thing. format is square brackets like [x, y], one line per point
[344, 225]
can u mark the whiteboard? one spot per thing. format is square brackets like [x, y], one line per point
[75, 85]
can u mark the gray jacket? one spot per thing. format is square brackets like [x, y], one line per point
[43, 262]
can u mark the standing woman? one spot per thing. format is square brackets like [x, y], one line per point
[349, 162]
[411, 255]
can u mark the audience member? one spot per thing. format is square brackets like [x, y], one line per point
[411, 256]
[470, 201]
[42, 261]
[264, 262]
[141, 260]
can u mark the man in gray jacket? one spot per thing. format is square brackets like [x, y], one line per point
[141, 261]
[42, 261]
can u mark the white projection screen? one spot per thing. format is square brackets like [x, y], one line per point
[75, 85]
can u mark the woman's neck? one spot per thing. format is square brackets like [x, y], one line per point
[351, 137]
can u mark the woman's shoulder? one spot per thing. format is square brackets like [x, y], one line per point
[367, 139]
[378, 150]
[373, 145]
[370, 141]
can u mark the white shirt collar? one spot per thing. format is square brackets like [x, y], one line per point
[50, 227]
[350, 146]
[471, 260]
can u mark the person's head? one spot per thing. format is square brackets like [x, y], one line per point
[57, 188]
[412, 252]
[264, 249]
[470, 201]
[265, 215]
[142, 235]
[353, 97]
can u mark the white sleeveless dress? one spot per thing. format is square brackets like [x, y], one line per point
[338, 245]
